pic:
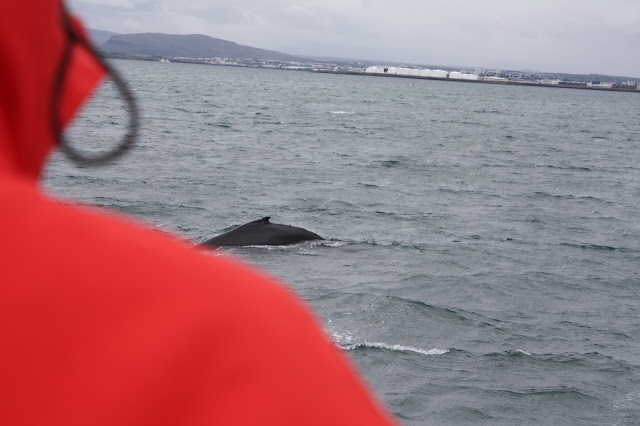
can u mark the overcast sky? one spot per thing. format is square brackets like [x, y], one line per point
[569, 36]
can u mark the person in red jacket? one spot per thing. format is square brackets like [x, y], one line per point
[105, 323]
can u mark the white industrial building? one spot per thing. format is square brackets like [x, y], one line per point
[456, 75]
[413, 72]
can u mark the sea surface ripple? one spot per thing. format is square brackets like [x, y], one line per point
[482, 261]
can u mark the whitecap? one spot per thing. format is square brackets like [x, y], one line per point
[519, 352]
[346, 342]
[398, 348]
[326, 243]
[339, 338]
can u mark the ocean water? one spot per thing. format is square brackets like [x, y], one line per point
[482, 254]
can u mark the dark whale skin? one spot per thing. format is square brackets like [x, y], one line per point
[261, 233]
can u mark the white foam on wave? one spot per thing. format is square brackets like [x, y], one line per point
[347, 343]
[339, 338]
[520, 351]
[400, 348]
[327, 243]
[342, 112]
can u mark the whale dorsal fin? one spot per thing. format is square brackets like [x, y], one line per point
[263, 220]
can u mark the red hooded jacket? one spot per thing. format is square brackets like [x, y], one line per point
[105, 323]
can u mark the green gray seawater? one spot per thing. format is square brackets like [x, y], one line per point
[482, 262]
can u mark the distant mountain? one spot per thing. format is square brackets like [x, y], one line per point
[99, 37]
[190, 46]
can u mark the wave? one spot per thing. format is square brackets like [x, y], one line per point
[588, 360]
[596, 247]
[393, 243]
[556, 392]
[330, 243]
[345, 342]
[275, 123]
[567, 197]
[394, 163]
[302, 248]
[391, 347]
[572, 168]
[487, 111]
[518, 352]
[221, 125]
[459, 316]
[368, 185]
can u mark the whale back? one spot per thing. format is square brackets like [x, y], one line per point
[262, 232]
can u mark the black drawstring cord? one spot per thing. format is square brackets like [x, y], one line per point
[128, 139]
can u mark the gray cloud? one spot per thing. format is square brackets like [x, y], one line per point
[583, 36]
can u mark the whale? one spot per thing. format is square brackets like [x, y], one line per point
[261, 233]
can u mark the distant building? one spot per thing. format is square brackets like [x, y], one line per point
[456, 75]
[626, 85]
[600, 84]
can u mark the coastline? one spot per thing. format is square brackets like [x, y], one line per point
[506, 82]
[110, 55]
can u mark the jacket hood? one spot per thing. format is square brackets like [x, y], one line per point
[48, 70]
